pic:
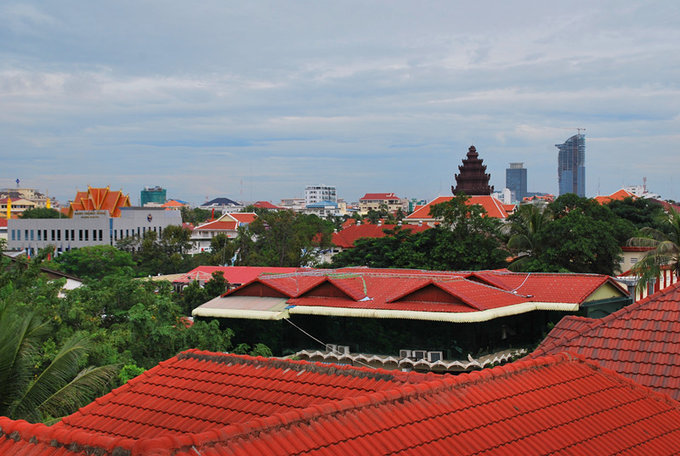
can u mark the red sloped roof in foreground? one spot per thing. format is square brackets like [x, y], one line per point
[558, 404]
[197, 391]
[640, 341]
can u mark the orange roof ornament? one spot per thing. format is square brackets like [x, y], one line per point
[99, 199]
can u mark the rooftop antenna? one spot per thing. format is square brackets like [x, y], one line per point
[644, 184]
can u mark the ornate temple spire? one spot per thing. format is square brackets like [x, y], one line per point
[472, 179]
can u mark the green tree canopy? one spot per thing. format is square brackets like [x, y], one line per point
[40, 213]
[94, 262]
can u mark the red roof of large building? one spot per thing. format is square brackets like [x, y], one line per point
[99, 199]
[202, 403]
[265, 205]
[412, 294]
[232, 274]
[379, 196]
[350, 234]
[618, 195]
[640, 341]
[493, 207]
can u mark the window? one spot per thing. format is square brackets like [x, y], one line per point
[14, 235]
[52, 235]
[101, 235]
[80, 235]
[87, 235]
[40, 235]
[31, 235]
[58, 235]
[26, 235]
[73, 235]
[633, 260]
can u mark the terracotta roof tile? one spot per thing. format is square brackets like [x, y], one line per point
[558, 404]
[350, 234]
[639, 341]
[493, 207]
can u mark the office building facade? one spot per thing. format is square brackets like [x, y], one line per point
[320, 193]
[571, 165]
[516, 181]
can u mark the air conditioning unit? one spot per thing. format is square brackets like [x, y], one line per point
[331, 348]
[419, 354]
[435, 356]
[404, 353]
[343, 349]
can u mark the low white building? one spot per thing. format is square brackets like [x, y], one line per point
[87, 228]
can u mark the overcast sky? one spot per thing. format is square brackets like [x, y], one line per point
[253, 100]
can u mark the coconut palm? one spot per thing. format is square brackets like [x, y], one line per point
[525, 224]
[665, 251]
[57, 390]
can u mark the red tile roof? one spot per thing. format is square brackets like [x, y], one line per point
[243, 217]
[197, 391]
[493, 207]
[378, 196]
[618, 195]
[233, 274]
[640, 341]
[349, 235]
[221, 405]
[218, 225]
[265, 205]
[415, 294]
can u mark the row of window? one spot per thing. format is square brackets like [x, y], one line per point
[83, 235]
[56, 235]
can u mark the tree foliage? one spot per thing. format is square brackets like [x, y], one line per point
[465, 239]
[94, 262]
[664, 243]
[572, 234]
[282, 238]
[40, 213]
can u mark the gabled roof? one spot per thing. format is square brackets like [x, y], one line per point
[493, 207]
[217, 225]
[197, 391]
[619, 195]
[378, 196]
[202, 403]
[350, 234]
[415, 294]
[640, 341]
[265, 205]
[239, 217]
[99, 199]
[173, 203]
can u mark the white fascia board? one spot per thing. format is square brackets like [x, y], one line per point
[451, 317]
[238, 313]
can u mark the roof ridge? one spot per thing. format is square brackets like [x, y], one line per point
[296, 365]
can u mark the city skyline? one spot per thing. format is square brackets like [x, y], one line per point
[255, 101]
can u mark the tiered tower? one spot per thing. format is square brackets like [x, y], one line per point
[472, 179]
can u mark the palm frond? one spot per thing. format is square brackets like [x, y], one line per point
[61, 370]
[89, 383]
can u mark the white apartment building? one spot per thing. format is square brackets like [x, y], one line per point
[319, 193]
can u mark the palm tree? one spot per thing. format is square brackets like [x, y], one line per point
[525, 224]
[57, 390]
[665, 249]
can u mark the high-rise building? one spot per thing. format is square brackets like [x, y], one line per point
[153, 195]
[571, 165]
[319, 193]
[516, 181]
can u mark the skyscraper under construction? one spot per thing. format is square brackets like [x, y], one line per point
[571, 165]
